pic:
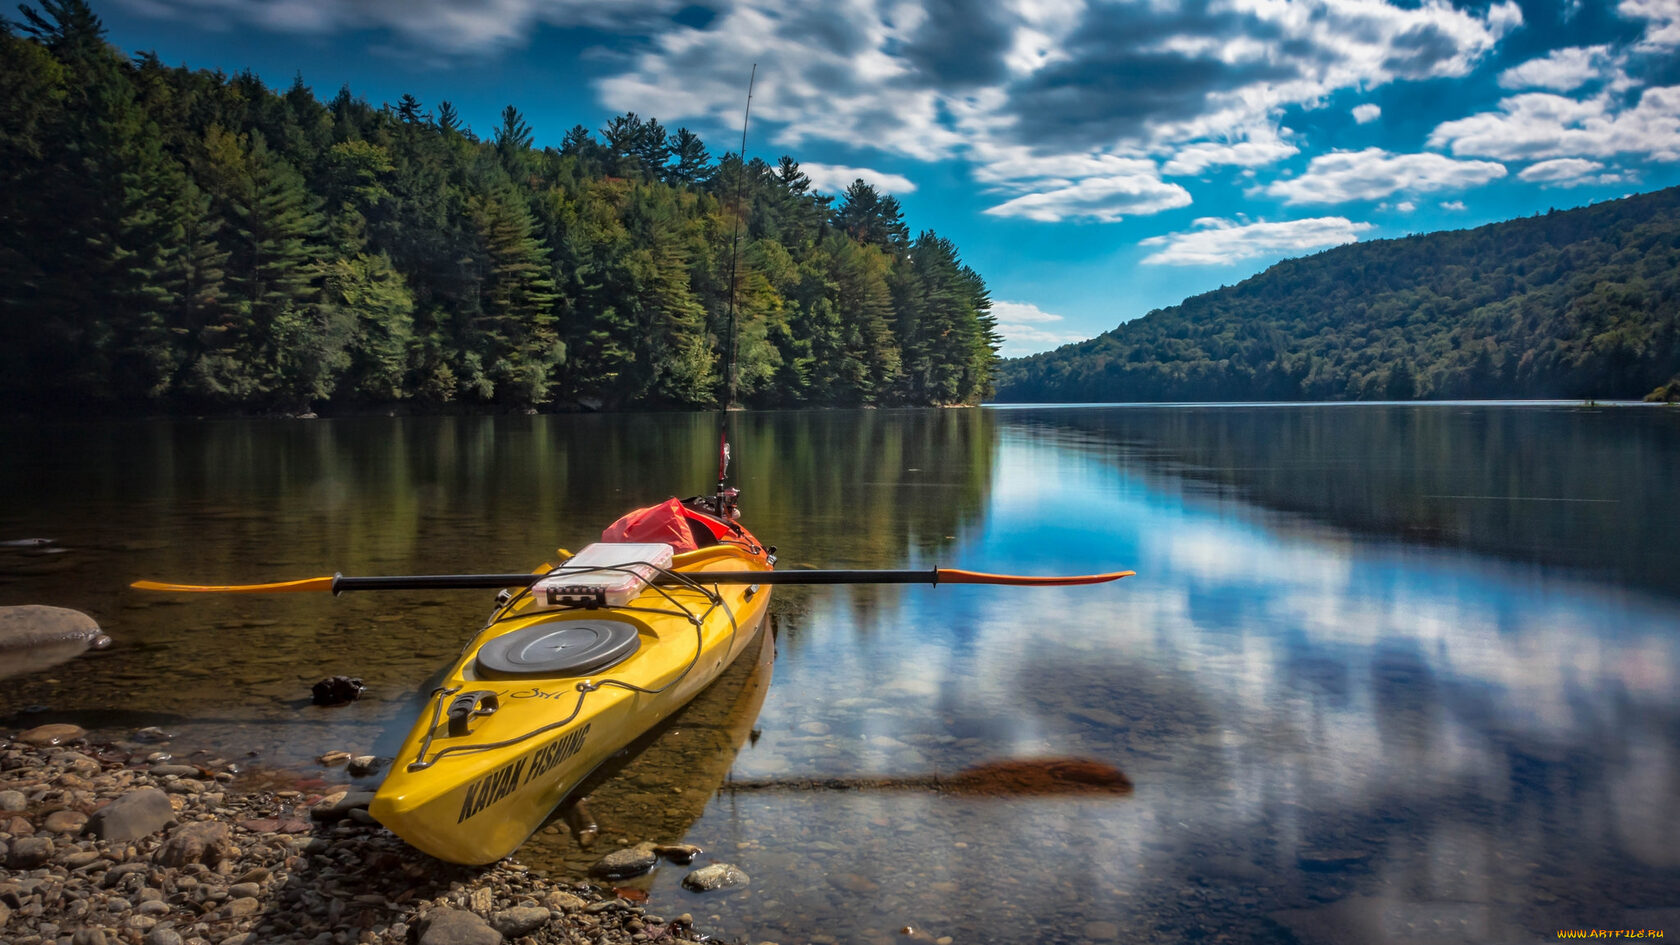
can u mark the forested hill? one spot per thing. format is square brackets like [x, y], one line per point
[179, 240]
[1575, 304]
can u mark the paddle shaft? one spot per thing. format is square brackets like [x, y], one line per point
[339, 583]
[929, 576]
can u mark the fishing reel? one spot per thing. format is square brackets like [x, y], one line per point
[723, 505]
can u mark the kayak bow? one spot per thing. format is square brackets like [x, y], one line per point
[567, 672]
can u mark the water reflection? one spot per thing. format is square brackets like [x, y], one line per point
[1386, 674]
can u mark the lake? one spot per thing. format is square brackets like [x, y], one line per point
[1386, 672]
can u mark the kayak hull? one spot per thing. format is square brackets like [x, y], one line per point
[475, 796]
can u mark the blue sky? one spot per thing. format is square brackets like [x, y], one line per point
[1093, 160]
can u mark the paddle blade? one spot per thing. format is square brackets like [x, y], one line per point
[959, 576]
[307, 584]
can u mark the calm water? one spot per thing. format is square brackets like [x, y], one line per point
[1386, 673]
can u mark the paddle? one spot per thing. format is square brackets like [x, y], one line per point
[338, 583]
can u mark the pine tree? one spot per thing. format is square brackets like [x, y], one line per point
[513, 143]
[693, 164]
[516, 330]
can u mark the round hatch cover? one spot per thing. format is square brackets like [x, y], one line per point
[559, 648]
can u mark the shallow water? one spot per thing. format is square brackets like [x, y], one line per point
[1386, 672]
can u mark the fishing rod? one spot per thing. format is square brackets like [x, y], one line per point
[728, 398]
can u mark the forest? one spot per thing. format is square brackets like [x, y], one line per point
[1575, 304]
[181, 241]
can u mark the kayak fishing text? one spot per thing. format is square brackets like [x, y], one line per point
[504, 780]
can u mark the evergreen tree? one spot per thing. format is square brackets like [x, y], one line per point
[188, 239]
[871, 218]
[513, 143]
[447, 118]
[516, 333]
[692, 163]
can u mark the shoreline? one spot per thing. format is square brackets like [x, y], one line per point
[103, 844]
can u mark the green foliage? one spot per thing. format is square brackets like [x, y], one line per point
[1572, 305]
[185, 240]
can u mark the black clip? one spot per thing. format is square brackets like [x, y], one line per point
[467, 706]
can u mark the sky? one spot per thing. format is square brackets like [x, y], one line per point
[1092, 160]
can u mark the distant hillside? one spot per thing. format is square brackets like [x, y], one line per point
[1575, 304]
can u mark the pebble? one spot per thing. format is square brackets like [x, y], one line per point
[65, 821]
[715, 876]
[29, 852]
[455, 927]
[54, 734]
[519, 921]
[625, 863]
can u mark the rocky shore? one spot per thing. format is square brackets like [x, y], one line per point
[125, 843]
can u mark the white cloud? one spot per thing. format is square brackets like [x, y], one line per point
[1027, 329]
[1366, 113]
[1454, 205]
[1560, 169]
[1218, 242]
[1568, 172]
[1123, 187]
[1373, 173]
[1560, 71]
[1539, 125]
[1405, 206]
[835, 178]
[1262, 148]
[1662, 29]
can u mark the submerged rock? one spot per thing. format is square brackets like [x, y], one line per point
[715, 876]
[337, 690]
[43, 736]
[34, 637]
[625, 863]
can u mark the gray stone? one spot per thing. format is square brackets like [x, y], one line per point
[13, 801]
[457, 927]
[89, 937]
[242, 890]
[715, 876]
[163, 937]
[520, 920]
[34, 637]
[622, 864]
[139, 813]
[173, 770]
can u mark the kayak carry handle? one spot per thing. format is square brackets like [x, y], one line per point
[468, 706]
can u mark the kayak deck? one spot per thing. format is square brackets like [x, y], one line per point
[502, 741]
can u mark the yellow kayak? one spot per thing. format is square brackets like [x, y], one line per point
[565, 674]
